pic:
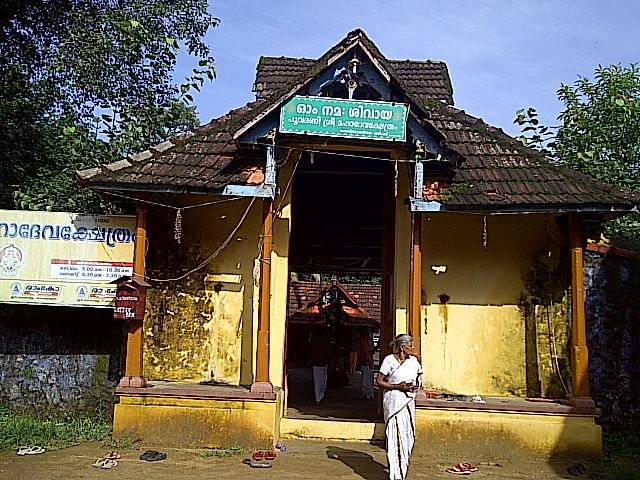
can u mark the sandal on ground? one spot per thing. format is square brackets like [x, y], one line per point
[258, 455]
[256, 464]
[30, 450]
[108, 463]
[153, 456]
[269, 455]
[112, 455]
[578, 469]
[458, 469]
[469, 466]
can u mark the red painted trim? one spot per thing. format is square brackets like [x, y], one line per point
[620, 252]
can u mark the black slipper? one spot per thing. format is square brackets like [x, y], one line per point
[153, 456]
[256, 464]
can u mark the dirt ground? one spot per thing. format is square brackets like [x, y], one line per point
[304, 459]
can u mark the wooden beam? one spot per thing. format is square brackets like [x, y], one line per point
[134, 367]
[262, 382]
[580, 354]
[332, 146]
[415, 280]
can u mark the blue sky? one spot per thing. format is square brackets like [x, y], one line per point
[502, 55]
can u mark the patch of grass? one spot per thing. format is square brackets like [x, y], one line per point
[126, 442]
[223, 452]
[50, 432]
[621, 452]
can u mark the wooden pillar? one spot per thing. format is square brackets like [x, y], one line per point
[133, 374]
[388, 314]
[415, 280]
[580, 355]
[262, 383]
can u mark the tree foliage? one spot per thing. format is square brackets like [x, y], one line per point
[599, 133]
[83, 82]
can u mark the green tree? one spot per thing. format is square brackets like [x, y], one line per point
[83, 82]
[599, 133]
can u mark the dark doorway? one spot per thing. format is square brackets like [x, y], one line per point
[337, 238]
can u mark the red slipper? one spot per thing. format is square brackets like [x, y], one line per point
[269, 455]
[258, 455]
[469, 466]
[458, 469]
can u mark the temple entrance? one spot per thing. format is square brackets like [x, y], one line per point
[337, 275]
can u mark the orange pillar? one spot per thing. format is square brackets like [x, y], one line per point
[133, 374]
[415, 280]
[262, 383]
[580, 355]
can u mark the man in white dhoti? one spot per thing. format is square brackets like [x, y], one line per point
[320, 359]
[365, 357]
[400, 376]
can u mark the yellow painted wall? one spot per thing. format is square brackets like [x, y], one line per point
[474, 350]
[192, 332]
[188, 422]
[494, 434]
[475, 344]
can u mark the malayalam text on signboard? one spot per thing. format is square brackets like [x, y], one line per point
[63, 258]
[334, 117]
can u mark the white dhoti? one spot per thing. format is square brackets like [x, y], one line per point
[401, 434]
[400, 413]
[367, 381]
[319, 382]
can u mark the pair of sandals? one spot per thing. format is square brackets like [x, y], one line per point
[462, 469]
[260, 455]
[153, 456]
[107, 461]
[578, 470]
[30, 450]
[260, 459]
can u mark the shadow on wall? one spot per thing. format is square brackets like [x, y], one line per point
[59, 359]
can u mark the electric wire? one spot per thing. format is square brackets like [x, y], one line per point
[208, 260]
[554, 348]
[158, 204]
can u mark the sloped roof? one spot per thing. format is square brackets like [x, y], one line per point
[499, 172]
[301, 293]
[352, 307]
[203, 161]
[494, 171]
[428, 79]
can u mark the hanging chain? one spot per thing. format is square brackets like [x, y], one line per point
[395, 180]
[485, 235]
[177, 227]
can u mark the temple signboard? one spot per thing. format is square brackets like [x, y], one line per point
[335, 117]
[58, 258]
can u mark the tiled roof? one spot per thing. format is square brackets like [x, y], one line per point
[492, 171]
[428, 80]
[497, 171]
[201, 161]
[368, 297]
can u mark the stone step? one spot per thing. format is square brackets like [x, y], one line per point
[331, 429]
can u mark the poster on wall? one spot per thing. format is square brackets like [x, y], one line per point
[63, 258]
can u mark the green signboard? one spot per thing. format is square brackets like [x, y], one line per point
[334, 117]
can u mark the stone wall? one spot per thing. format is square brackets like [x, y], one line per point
[612, 284]
[59, 359]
